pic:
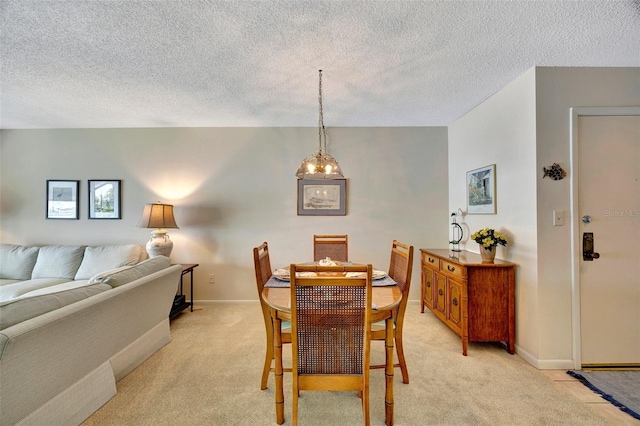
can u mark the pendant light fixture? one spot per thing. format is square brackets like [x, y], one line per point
[320, 165]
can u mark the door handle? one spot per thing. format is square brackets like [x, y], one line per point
[587, 247]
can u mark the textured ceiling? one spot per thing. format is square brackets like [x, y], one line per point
[117, 63]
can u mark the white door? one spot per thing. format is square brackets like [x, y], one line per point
[609, 208]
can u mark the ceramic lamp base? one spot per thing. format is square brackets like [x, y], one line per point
[159, 245]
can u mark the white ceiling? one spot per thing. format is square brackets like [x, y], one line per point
[165, 63]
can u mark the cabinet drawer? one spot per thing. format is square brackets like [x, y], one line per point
[451, 269]
[430, 261]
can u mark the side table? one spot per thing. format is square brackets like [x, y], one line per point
[179, 302]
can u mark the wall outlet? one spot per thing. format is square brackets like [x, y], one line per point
[212, 279]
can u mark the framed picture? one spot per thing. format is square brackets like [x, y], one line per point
[104, 199]
[481, 190]
[62, 199]
[322, 197]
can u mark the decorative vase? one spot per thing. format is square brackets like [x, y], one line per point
[487, 254]
[159, 244]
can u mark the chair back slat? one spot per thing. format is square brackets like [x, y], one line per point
[330, 336]
[401, 265]
[329, 316]
[330, 329]
[335, 247]
[262, 265]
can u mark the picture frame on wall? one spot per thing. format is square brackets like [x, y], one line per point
[481, 190]
[62, 199]
[322, 197]
[105, 199]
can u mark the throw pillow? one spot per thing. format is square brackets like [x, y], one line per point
[58, 262]
[17, 262]
[102, 258]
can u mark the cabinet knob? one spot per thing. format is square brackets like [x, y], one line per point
[454, 302]
[428, 283]
[451, 268]
[431, 260]
[440, 292]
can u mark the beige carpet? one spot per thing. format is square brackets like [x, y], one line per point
[210, 375]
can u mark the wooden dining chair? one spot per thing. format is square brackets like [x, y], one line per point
[262, 265]
[335, 247]
[400, 271]
[330, 316]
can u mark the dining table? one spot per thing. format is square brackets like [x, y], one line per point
[386, 296]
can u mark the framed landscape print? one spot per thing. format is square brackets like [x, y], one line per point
[104, 199]
[322, 197]
[62, 199]
[481, 190]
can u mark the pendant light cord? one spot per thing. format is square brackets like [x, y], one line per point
[322, 135]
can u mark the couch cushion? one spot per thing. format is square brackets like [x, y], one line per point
[58, 262]
[103, 258]
[56, 288]
[17, 289]
[127, 274]
[16, 311]
[17, 262]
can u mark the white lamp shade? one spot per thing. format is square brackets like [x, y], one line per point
[158, 216]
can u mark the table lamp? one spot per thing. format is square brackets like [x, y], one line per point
[158, 217]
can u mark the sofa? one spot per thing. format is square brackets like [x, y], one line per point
[73, 321]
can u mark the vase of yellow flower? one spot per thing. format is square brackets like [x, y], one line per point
[488, 239]
[488, 254]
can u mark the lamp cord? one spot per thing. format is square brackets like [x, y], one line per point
[322, 135]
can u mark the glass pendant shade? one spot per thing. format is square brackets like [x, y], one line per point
[320, 165]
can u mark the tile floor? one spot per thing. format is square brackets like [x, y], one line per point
[607, 410]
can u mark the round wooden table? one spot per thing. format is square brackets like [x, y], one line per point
[385, 298]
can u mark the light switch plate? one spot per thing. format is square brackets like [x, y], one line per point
[558, 217]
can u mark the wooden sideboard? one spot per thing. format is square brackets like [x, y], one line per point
[475, 299]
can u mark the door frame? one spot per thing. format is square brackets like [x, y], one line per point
[576, 240]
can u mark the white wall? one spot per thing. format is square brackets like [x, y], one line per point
[557, 90]
[232, 188]
[501, 131]
[522, 129]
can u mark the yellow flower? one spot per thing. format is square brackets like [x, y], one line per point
[489, 238]
[487, 242]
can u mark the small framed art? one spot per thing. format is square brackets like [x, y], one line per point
[322, 197]
[481, 190]
[62, 199]
[104, 199]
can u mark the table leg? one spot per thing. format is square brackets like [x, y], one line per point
[388, 399]
[277, 345]
[191, 276]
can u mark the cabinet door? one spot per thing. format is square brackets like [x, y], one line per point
[440, 283]
[454, 303]
[427, 288]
